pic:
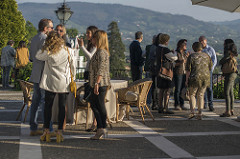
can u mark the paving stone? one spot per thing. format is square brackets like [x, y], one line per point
[127, 148]
[10, 129]
[172, 126]
[9, 116]
[15, 105]
[117, 128]
[212, 145]
[9, 149]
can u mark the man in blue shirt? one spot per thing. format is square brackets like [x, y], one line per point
[137, 61]
[208, 97]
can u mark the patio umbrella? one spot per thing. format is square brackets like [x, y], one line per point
[227, 5]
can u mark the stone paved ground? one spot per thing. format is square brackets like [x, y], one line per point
[169, 136]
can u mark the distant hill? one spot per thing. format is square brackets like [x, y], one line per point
[131, 19]
[234, 25]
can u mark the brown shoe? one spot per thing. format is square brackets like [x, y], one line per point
[199, 117]
[36, 133]
[190, 116]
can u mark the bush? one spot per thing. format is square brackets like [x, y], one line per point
[218, 90]
[23, 74]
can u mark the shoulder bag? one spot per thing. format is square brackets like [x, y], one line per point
[164, 72]
[73, 86]
[230, 66]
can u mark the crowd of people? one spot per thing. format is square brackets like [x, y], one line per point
[53, 66]
[190, 70]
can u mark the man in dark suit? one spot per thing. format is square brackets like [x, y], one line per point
[137, 61]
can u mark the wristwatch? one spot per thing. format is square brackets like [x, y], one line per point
[96, 83]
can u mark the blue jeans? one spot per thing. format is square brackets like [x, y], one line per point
[179, 81]
[208, 96]
[5, 76]
[38, 100]
[149, 97]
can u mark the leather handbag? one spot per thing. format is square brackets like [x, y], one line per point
[164, 72]
[73, 85]
[185, 95]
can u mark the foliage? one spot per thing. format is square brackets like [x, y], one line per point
[72, 33]
[116, 48]
[31, 30]
[12, 23]
[218, 90]
[24, 74]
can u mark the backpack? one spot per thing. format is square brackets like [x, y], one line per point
[230, 66]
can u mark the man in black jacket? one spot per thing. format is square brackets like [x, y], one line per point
[137, 61]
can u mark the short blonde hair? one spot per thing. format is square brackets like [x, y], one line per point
[163, 38]
[53, 42]
[101, 40]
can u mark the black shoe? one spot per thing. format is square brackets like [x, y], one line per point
[211, 109]
[168, 112]
[183, 108]
[225, 115]
[154, 107]
[177, 108]
[161, 110]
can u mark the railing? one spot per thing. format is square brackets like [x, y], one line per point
[115, 74]
[218, 81]
[218, 86]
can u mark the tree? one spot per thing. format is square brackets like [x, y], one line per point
[12, 23]
[31, 31]
[116, 48]
[72, 33]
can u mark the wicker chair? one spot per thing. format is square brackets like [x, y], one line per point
[26, 88]
[139, 89]
[79, 105]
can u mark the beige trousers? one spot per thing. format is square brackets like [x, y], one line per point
[196, 94]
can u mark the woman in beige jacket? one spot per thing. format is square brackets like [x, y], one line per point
[55, 79]
[99, 79]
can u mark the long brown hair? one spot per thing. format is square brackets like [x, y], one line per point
[53, 42]
[101, 40]
[92, 29]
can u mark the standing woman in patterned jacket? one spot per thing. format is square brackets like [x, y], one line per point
[99, 78]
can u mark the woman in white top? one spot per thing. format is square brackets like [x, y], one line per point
[55, 79]
[88, 52]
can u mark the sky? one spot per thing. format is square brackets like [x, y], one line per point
[183, 7]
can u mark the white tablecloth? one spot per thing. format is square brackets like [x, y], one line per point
[110, 105]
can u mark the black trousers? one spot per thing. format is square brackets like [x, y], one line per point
[136, 72]
[98, 106]
[49, 98]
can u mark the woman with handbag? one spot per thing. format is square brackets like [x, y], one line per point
[229, 69]
[99, 79]
[165, 59]
[59, 62]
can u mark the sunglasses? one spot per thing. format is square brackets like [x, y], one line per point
[50, 27]
[59, 30]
